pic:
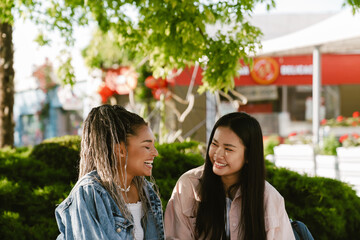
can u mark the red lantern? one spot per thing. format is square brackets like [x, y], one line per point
[155, 83]
[105, 92]
[158, 92]
[122, 79]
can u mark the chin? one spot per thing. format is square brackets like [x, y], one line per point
[216, 171]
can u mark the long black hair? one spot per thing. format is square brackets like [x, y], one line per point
[211, 211]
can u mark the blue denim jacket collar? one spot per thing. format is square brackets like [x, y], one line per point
[89, 196]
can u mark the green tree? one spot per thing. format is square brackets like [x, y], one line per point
[171, 33]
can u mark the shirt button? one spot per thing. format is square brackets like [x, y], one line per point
[118, 230]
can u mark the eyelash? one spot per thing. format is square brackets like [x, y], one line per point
[227, 149]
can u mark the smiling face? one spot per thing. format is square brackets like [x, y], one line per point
[226, 153]
[141, 152]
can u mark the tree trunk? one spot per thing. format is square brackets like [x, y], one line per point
[6, 86]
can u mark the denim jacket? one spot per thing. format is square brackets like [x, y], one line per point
[89, 212]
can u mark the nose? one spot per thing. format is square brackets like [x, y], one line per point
[219, 153]
[155, 152]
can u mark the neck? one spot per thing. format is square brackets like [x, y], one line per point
[228, 182]
[125, 185]
[129, 191]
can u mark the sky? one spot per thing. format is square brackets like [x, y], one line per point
[28, 55]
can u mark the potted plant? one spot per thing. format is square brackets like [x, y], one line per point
[341, 125]
[348, 156]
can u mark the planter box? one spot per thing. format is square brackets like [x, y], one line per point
[297, 157]
[349, 166]
[300, 158]
[326, 166]
[338, 131]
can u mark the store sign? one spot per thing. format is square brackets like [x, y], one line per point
[285, 70]
[265, 70]
[293, 70]
[336, 69]
[244, 71]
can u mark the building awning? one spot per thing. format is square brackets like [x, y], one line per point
[337, 34]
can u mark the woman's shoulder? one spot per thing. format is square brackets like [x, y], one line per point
[188, 184]
[271, 193]
[89, 181]
[273, 200]
[86, 187]
[185, 193]
[192, 175]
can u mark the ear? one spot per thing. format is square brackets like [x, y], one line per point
[120, 147]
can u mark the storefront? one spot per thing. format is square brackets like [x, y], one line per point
[279, 89]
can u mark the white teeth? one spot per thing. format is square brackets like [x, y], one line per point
[149, 162]
[220, 164]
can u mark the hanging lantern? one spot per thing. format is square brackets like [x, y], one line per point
[122, 79]
[105, 92]
[155, 83]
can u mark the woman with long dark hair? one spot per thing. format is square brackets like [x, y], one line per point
[112, 199]
[228, 197]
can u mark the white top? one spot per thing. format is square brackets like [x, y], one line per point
[136, 211]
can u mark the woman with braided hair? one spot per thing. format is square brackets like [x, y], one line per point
[112, 199]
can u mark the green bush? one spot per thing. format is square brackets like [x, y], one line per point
[330, 208]
[34, 180]
[174, 159]
[11, 226]
[59, 154]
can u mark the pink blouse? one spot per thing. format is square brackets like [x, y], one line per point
[180, 216]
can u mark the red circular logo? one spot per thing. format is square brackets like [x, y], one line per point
[265, 70]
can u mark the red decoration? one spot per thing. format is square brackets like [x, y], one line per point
[105, 92]
[122, 79]
[265, 70]
[155, 83]
[158, 92]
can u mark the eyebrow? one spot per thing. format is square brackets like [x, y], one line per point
[147, 141]
[225, 144]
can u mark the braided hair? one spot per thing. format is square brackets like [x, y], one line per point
[105, 127]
